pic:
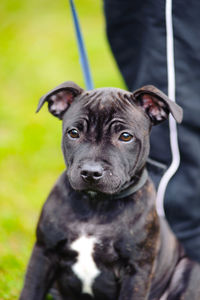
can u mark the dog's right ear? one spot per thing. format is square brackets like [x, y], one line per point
[60, 98]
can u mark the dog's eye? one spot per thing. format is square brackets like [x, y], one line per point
[73, 133]
[125, 137]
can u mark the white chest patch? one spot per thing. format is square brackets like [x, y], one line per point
[85, 267]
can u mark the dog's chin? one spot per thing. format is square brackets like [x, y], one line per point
[94, 189]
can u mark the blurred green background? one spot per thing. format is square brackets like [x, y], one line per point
[38, 51]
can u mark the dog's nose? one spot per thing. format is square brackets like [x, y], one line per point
[91, 171]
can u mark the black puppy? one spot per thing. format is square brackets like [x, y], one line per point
[99, 236]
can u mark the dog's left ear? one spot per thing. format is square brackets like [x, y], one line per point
[156, 104]
[60, 98]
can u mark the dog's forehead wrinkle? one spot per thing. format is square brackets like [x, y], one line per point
[105, 97]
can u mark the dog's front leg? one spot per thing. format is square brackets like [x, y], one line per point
[135, 287]
[39, 275]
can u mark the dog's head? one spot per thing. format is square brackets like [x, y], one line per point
[106, 132]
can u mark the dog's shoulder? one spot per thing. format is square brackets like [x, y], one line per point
[54, 211]
[58, 196]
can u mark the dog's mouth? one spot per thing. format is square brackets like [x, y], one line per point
[104, 185]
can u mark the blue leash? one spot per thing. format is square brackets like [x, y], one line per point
[82, 51]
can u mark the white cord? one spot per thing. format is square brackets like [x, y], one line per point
[172, 123]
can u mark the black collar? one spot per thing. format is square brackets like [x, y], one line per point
[132, 188]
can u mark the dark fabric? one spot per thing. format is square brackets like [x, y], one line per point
[137, 35]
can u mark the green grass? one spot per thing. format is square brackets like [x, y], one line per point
[38, 51]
